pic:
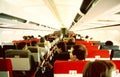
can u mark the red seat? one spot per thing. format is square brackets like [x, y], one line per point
[83, 42]
[101, 53]
[92, 47]
[117, 63]
[64, 67]
[6, 65]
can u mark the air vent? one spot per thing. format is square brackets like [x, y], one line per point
[9, 17]
[33, 23]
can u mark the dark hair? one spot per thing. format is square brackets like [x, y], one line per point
[25, 37]
[86, 36]
[109, 43]
[70, 43]
[21, 45]
[80, 51]
[33, 43]
[62, 46]
[42, 40]
[98, 68]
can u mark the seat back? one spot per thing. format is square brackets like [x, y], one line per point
[20, 59]
[83, 42]
[109, 47]
[5, 68]
[35, 53]
[117, 63]
[98, 54]
[67, 67]
[115, 54]
[4, 74]
[5, 47]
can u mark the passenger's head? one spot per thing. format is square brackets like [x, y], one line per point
[33, 43]
[79, 52]
[86, 36]
[109, 43]
[61, 46]
[70, 43]
[99, 68]
[25, 37]
[22, 45]
[42, 39]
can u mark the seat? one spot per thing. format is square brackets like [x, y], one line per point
[99, 43]
[5, 47]
[117, 63]
[35, 53]
[68, 68]
[114, 47]
[115, 54]
[5, 68]
[94, 42]
[20, 59]
[83, 42]
[92, 47]
[98, 54]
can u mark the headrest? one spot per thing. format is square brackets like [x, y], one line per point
[16, 53]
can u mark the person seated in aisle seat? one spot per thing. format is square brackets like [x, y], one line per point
[99, 68]
[70, 43]
[61, 52]
[79, 52]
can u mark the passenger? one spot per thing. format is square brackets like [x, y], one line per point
[79, 52]
[61, 52]
[99, 68]
[25, 37]
[34, 43]
[87, 38]
[41, 43]
[70, 43]
[22, 46]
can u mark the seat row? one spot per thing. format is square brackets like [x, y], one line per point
[94, 50]
[74, 68]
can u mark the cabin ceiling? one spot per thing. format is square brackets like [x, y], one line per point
[55, 14]
[51, 13]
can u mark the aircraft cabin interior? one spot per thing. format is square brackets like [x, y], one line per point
[99, 20]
